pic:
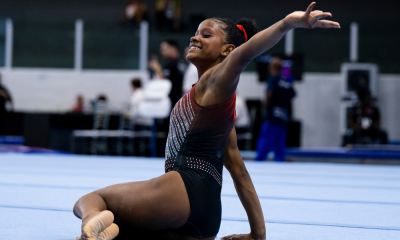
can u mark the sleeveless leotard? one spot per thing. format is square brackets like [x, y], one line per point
[195, 148]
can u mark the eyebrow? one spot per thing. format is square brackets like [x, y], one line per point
[208, 29]
[197, 32]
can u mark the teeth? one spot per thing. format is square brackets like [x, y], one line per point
[195, 48]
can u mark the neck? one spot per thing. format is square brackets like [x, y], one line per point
[203, 67]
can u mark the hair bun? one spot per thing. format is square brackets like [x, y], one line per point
[249, 25]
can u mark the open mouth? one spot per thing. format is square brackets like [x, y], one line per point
[194, 48]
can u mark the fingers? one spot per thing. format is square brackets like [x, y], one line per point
[230, 237]
[318, 16]
[227, 237]
[236, 237]
[315, 12]
[327, 24]
[310, 8]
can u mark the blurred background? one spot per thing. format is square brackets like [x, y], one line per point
[68, 70]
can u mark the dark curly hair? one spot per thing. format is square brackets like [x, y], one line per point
[233, 35]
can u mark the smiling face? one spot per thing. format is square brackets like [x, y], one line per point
[207, 46]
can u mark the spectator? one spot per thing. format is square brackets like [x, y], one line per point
[363, 120]
[134, 13]
[101, 112]
[5, 98]
[191, 76]
[136, 98]
[173, 68]
[278, 98]
[100, 105]
[168, 15]
[79, 104]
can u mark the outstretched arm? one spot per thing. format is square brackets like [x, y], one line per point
[246, 191]
[228, 72]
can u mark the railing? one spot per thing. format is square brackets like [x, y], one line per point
[92, 41]
[105, 45]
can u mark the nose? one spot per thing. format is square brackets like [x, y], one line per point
[194, 39]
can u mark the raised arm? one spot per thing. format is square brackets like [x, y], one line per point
[228, 72]
[245, 190]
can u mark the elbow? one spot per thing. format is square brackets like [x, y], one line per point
[238, 171]
[242, 172]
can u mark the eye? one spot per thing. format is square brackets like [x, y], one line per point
[206, 35]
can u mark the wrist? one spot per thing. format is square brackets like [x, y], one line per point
[287, 24]
[258, 235]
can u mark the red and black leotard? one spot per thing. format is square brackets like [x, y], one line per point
[195, 148]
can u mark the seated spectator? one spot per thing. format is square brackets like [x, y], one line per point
[137, 97]
[137, 121]
[100, 105]
[363, 122]
[79, 104]
[101, 112]
[5, 98]
[134, 13]
[168, 15]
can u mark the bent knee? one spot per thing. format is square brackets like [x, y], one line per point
[91, 202]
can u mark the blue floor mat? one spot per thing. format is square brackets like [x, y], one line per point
[310, 201]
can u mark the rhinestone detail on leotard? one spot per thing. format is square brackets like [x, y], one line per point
[169, 163]
[205, 166]
[180, 120]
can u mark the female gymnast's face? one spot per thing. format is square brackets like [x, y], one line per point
[207, 45]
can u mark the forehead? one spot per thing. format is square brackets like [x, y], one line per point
[209, 24]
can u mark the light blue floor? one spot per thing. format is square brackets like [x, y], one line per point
[307, 201]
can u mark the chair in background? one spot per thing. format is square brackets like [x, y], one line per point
[125, 140]
[93, 141]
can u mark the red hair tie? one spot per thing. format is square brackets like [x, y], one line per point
[244, 31]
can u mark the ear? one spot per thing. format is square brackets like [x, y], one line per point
[227, 49]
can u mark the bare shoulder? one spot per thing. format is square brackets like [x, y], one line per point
[204, 85]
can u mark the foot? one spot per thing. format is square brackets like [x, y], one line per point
[110, 233]
[97, 224]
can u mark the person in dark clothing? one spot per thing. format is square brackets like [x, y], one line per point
[5, 97]
[185, 202]
[363, 122]
[173, 69]
[278, 101]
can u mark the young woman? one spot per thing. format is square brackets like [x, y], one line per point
[185, 203]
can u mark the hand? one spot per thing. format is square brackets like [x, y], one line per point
[242, 237]
[309, 19]
[154, 64]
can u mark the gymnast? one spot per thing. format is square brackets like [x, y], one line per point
[185, 202]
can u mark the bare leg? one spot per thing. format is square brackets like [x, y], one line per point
[157, 205]
[89, 205]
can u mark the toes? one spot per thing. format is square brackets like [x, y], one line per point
[109, 233]
[97, 224]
